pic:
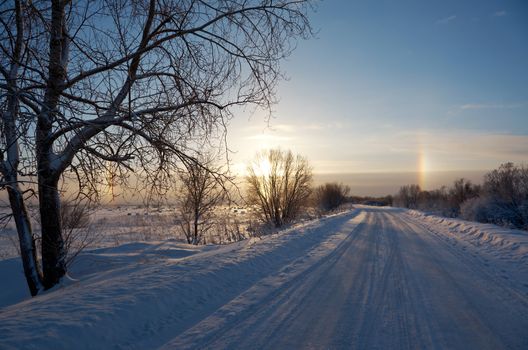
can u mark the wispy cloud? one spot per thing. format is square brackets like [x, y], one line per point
[282, 127]
[499, 13]
[292, 128]
[472, 106]
[462, 149]
[323, 126]
[446, 19]
[268, 138]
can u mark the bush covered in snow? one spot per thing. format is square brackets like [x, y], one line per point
[443, 201]
[502, 199]
[487, 209]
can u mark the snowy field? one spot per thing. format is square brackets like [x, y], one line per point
[366, 278]
[111, 226]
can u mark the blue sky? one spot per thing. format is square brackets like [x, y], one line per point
[402, 86]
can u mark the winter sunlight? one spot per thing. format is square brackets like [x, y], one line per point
[263, 174]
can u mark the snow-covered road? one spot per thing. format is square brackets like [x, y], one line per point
[390, 284]
[370, 278]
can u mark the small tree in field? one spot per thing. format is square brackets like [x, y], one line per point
[279, 184]
[202, 190]
[331, 195]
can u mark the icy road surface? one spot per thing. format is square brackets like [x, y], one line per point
[390, 284]
[371, 278]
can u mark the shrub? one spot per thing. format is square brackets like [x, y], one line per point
[487, 209]
[330, 196]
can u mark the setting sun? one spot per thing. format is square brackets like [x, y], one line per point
[263, 168]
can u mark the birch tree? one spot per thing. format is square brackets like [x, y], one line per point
[14, 127]
[121, 86]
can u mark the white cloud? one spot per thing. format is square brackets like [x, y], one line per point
[358, 146]
[446, 20]
[499, 13]
[469, 106]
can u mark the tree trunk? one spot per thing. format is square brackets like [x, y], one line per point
[9, 166]
[195, 228]
[28, 251]
[53, 253]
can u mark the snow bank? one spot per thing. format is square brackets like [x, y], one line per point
[496, 240]
[139, 295]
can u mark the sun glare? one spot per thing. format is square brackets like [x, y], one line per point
[108, 185]
[263, 168]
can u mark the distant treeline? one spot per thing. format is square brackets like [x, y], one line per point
[376, 201]
[502, 199]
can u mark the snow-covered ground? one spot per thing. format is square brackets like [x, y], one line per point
[500, 242]
[111, 226]
[366, 278]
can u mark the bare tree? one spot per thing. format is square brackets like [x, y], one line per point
[76, 225]
[331, 195]
[461, 191]
[506, 192]
[202, 190]
[436, 200]
[14, 126]
[75, 213]
[279, 184]
[92, 87]
[408, 195]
